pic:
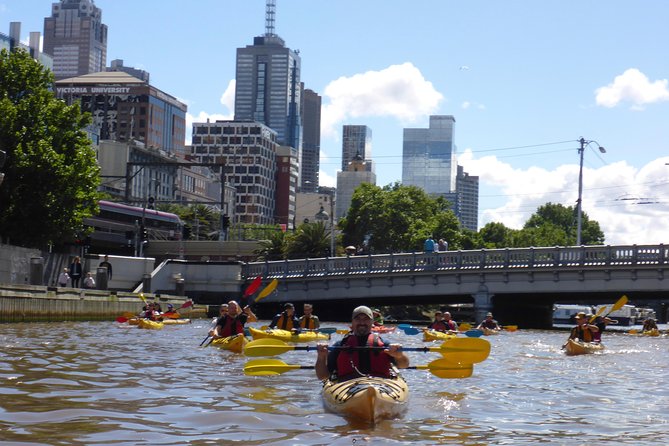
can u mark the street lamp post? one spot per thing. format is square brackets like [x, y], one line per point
[579, 203]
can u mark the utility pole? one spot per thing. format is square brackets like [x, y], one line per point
[579, 202]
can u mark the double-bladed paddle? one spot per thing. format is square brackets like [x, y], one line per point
[466, 350]
[267, 290]
[442, 368]
[253, 287]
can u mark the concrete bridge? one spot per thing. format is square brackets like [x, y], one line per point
[519, 285]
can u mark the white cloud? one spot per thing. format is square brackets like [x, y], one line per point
[324, 179]
[628, 202]
[632, 86]
[227, 100]
[399, 91]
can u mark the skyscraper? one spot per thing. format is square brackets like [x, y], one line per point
[428, 156]
[311, 143]
[76, 38]
[268, 88]
[356, 140]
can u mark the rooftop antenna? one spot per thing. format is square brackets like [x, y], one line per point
[270, 12]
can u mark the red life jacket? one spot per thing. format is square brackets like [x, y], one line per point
[349, 360]
[231, 326]
[439, 326]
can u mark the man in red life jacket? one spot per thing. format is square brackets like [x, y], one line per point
[379, 360]
[232, 322]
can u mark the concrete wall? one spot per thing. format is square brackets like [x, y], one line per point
[15, 263]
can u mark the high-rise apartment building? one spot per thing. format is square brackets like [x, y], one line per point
[356, 140]
[248, 151]
[76, 38]
[465, 199]
[311, 142]
[428, 156]
[13, 40]
[268, 88]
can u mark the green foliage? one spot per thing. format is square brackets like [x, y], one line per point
[310, 240]
[556, 225]
[274, 248]
[51, 173]
[396, 218]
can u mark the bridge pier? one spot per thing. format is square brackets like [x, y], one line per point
[482, 303]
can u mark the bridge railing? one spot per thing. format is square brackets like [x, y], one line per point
[454, 261]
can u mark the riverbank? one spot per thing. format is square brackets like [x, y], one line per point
[34, 303]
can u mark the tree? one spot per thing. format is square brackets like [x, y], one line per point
[273, 249]
[51, 173]
[396, 218]
[310, 240]
[558, 227]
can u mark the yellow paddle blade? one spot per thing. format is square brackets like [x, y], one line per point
[128, 315]
[141, 296]
[465, 326]
[270, 367]
[343, 331]
[268, 290]
[510, 327]
[267, 347]
[599, 313]
[443, 368]
[465, 350]
[619, 304]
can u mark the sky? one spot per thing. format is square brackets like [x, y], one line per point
[525, 80]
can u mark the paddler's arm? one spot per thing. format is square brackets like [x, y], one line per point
[322, 371]
[401, 360]
[251, 315]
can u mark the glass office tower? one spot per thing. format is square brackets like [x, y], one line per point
[428, 156]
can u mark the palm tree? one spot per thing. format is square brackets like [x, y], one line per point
[274, 248]
[310, 240]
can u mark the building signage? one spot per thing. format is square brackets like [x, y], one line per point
[93, 90]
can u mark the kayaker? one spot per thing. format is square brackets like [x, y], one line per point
[286, 320]
[649, 325]
[601, 322]
[489, 323]
[309, 320]
[443, 322]
[378, 317]
[232, 322]
[170, 309]
[583, 331]
[343, 364]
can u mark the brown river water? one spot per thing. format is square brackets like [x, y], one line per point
[97, 383]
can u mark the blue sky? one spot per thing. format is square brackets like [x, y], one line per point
[523, 79]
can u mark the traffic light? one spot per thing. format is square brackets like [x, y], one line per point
[151, 203]
[129, 237]
[226, 221]
[145, 234]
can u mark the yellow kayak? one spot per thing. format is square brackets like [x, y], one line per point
[653, 332]
[176, 321]
[233, 343]
[434, 335]
[576, 347]
[367, 398]
[287, 336]
[150, 325]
